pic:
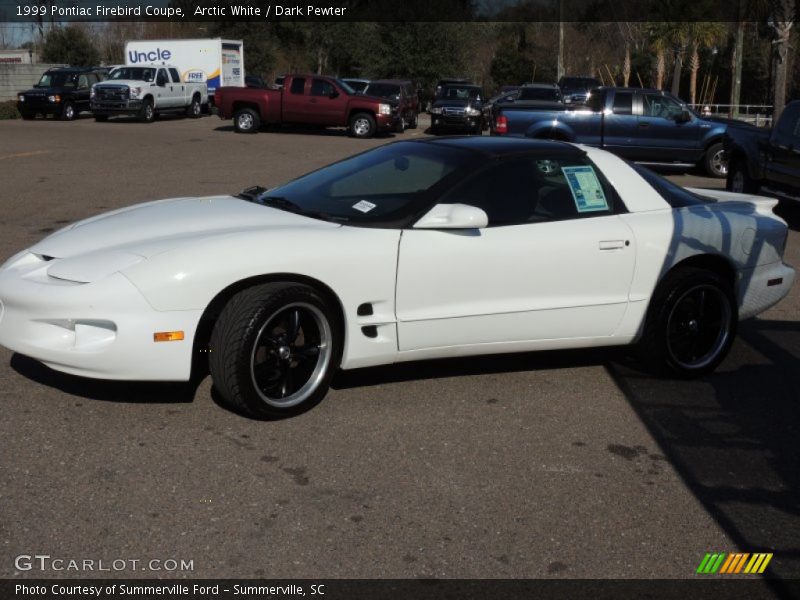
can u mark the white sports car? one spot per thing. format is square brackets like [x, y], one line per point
[417, 249]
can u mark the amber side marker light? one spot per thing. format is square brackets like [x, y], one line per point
[167, 336]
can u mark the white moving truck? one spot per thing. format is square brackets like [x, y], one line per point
[215, 62]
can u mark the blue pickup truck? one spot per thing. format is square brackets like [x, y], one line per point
[642, 125]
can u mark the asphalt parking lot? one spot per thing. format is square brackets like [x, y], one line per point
[558, 464]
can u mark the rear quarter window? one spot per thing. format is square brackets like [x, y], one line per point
[675, 195]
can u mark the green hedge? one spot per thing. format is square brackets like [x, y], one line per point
[8, 110]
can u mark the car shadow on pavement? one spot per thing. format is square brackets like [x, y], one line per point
[109, 391]
[733, 438]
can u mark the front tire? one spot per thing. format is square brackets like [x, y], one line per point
[714, 161]
[274, 349]
[246, 120]
[362, 125]
[28, 116]
[739, 179]
[68, 111]
[147, 114]
[691, 323]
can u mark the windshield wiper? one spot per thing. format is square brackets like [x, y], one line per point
[252, 193]
[289, 206]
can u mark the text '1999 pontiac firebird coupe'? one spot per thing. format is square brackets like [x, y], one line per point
[414, 250]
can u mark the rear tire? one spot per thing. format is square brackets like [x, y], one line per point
[714, 161]
[362, 125]
[739, 179]
[246, 120]
[195, 109]
[691, 323]
[274, 349]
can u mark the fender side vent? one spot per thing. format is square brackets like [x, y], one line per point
[371, 331]
[364, 310]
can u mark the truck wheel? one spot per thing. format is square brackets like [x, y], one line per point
[715, 163]
[362, 125]
[690, 324]
[401, 125]
[195, 109]
[274, 349]
[739, 179]
[147, 114]
[68, 112]
[246, 120]
[101, 118]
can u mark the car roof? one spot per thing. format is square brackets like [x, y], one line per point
[505, 146]
[548, 86]
[392, 81]
[73, 69]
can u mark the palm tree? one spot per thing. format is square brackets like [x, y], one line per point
[701, 35]
[659, 35]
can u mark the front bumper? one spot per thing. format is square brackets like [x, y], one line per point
[456, 122]
[386, 122]
[122, 107]
[102, 330]
[42, 108]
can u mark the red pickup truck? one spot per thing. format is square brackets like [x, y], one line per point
[306, 99]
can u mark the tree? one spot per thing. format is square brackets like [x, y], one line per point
[781, 20]
[69, 45]
[701, 35]
[510, 67]
[660, 35]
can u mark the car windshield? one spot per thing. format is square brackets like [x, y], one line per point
[352, 87]
[549, 94]
[675, 195]
[383, 90]
[460, 92]
[133, 73]
[58, 80]
[383, 185]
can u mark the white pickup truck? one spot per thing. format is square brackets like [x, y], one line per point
[145, 91]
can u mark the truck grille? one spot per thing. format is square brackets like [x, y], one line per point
[453, 111]
[111, 93]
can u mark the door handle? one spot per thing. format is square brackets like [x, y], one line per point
[613, 244]
[644, 125]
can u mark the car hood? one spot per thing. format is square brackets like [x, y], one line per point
[128, 82]
[155, 227]
[47, 91]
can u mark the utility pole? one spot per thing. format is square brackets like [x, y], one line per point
[736, 63]
[560, 66]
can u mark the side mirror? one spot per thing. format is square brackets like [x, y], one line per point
[453, 216]
[684, 117]
[333, 94]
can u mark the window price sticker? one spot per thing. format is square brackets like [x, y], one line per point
[586, 188]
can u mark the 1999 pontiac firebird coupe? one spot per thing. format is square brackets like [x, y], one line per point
[416, 249]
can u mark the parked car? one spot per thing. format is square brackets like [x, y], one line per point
[647, 126]
[766, 161]
[459, 106]
[145, 91]
[306, 99]
[575, 90]
[357, 85]
[401, 95]
[542, 96]
[62, 92]
[464, 246]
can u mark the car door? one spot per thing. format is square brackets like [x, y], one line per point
[163, 91]
[178, 88]
[295, 109]
[620, 125]
[548, 267]
[85, 81]
[326, 104]
[662, 136]
[783, 165]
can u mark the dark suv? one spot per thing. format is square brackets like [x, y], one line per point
[458, 106]
[575, 90]
[401, 95]
[62, 92]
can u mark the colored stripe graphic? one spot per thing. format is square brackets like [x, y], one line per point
[737, 562]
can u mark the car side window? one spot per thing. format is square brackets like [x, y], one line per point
[83, 81]
[623, 103]
[320, 87]
[298, 85]
[656, 105]
[789, 125]
[535, 190]
[162, 76]
[176, 77]
[92, 78]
